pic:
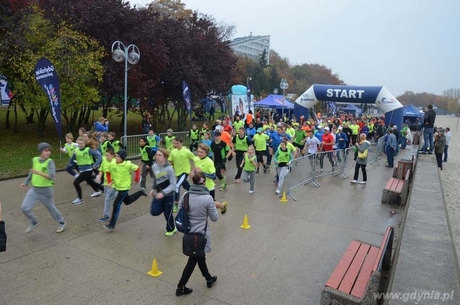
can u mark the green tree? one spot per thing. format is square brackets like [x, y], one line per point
[76, 57]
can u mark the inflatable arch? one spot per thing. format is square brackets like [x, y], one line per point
[379, 96]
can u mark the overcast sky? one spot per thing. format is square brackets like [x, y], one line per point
[404, 45]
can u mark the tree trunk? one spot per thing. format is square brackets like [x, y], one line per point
[7, 118]
[15, 130]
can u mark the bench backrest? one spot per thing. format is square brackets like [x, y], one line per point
[384, 255]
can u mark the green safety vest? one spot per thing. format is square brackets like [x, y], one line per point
[116, 146]
[144, 152]
[194, 134]
[152, 140]
[70, 148]
[284, 156]
[241, 144]
[248, 165]
[83, 157]
[104, 147]
[37, 180]
[168, 141]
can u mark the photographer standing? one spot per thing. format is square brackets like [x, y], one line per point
[101, 125]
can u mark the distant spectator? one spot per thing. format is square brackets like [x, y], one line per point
[428, 125]
[439, 146]
[448, 136]
[101, 125]
[146, 124]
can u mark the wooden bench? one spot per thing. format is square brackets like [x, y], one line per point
[395, 191]
[360, 273]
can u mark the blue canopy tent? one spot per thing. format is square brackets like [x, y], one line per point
[274, 102]
[411, 111]
[351, 108]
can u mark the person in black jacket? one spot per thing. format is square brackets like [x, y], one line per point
[428, 126]
[2, 232]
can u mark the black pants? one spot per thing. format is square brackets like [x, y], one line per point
[439, 159]
[88, 177]
[363, 169]
[127, 199]
[239, 158]
[219, 168]
[188, 270]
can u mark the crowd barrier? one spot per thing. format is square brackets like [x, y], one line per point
[307, 169]
[132, 143]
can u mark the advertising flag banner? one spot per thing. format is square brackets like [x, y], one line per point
[187, 96]
[6, 94]
[48, 80]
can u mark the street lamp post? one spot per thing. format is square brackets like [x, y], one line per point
[119, 53]
[284, 85]
[248, 91]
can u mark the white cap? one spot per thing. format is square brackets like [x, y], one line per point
[326, 128]
[340, 127]
[394, 126]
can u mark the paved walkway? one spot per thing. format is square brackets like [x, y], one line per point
[285, 257]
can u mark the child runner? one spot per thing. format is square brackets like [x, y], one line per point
[104, 142]
[69, 148]
[249, 165]
[41, 177]
[283, 158]
[207, 141]
[153, 140]
[260, 143]
[116, 145]
[109, 192]
[240, 145]
[84, 157]
[164, 183]
[180, 158]
[168, 139]
[194, 135]
[119, 178]
[146, 161]
[204, 164]
[221, 152]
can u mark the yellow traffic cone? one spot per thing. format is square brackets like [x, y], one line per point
[245, 224]
[154, 272]
[283, 198]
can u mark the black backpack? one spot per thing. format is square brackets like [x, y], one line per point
[181, 220]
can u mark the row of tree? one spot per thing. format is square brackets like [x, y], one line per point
[175, 44]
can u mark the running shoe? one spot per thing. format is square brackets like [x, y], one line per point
[61, 227]
[77, 201]
[175, 208]
[277, 191]
[223, 187]
[251, 191]
[103, 219]
[96, 194]
[224, 209]
[109, 227]
[31, 227]
[171, 233]
[354, 181]
[362, 182]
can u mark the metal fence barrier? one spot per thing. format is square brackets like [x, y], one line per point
[132, 142]
[306, 169]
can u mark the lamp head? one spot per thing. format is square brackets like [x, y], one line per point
[118, 55]
[133, 57]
